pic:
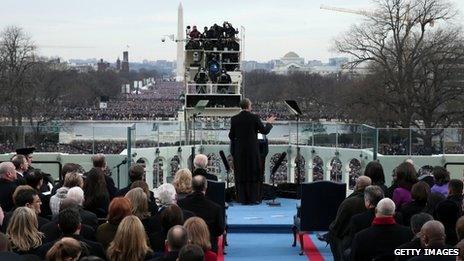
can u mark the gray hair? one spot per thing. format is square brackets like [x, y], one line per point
[373, 194]
[166, 194]
[200, 161]
[245, 104]
[6, 167]
[418, 220]
[385, 207]
[77, 194]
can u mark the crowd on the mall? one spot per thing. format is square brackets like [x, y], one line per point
[420, 210]
[83, 216]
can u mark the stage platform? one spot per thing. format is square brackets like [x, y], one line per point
[261, 232]
[262, 218]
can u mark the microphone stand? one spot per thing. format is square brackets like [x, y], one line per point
[123, 162]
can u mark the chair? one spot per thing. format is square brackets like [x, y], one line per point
[319, 204]
[216, 192]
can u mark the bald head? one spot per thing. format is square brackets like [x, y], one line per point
[432, 232]
[199, 184]
[177, 238]
[385, 208]
[362, 182]
[7, 171]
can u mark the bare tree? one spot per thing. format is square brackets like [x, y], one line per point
[17, 53]
[413, 50]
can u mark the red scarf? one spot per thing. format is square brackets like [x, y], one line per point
[383, 221]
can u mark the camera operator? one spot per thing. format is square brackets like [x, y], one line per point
[224, 78]
[201, 78]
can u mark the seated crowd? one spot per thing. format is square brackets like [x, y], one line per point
[415, 212]
[85, 217]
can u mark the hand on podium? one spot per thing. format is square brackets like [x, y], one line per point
[271, 119]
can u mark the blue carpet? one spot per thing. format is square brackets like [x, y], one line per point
[272, 247]
[263, 214]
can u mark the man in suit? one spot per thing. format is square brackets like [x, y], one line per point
[244, 129]
[200, 162]
[380, 240]
[48, 180]
[204, 208]
[99, 162]
[417, 221]
[432, 236]
[21, 165]
[7, 185]
[69, 222]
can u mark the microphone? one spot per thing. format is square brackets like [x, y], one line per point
[279, 162]
[224, 160]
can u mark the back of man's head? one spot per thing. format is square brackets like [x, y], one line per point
[200, 161]
[199, 183]
[455, 187]
[68, 203]
[372, 195]
[17, 160]
[98, 161]
[177, 238]
[5, 168]
[69, 221]
[245, 104]
[77, 194]
[136, 172]
[432, 232]
[191, 252]
[418, 220]
[362, 182]
[385, 208]
[23, 195]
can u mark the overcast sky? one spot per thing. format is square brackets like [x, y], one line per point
[103, 28]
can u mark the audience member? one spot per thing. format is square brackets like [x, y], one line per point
[176, 239]
[96, 193]
[380, 240]
[23, 231]
[21, 166]
[455, 189]
[406, 177]
[171, 216]
[7, 185]
[441, 177]
[420, 194]
[99, 163]
[432, 236]
[191, 253]
[25, 196]
[69, 222]
[425, 174]
[417, 221]
[119, 208]
[198, 234]
[136, 172]
[130, 241]
[35, 179]
[448, 213]
[209, 211]
[183, 183]
[152, 207]
[67, 248]
[5, 250]
[67, 168]
[200, 162]
[352, 205]
[165, 195]
[374, 170]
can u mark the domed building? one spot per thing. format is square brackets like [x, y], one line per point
[290, 62]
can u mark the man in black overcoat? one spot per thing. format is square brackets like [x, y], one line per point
[244, 129]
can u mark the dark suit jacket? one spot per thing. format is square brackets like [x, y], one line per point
[414, 243]
[205, 174]
[6, 194]
[410, 209]
[379, 241]
[90, 248]
[169, 256]
[244, 128]
[209, 211]
[435, 257]
[52, 232]
[351, 206]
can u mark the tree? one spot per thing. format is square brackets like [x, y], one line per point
[412, 53]
[17, 53]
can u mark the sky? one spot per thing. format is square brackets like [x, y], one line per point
[104, 29]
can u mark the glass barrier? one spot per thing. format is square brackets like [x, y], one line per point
[453, 141]
[393, 141]
[368, 137]
[426, 141]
